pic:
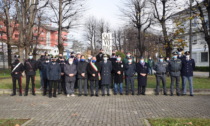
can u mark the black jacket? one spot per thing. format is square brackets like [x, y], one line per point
[118, 66]
[70, 69]
[130, 70]
[91, 71]
[99, 57]
[53, 71]
[30, 67]
[82, 68]
[17, 72]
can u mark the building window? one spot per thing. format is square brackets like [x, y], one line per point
[194, 40]
[204, 57]
[16, 35]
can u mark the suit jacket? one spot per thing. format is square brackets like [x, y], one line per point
[53, 71]
[70, 69]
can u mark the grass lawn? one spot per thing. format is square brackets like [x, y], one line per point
[199, 83]
[12, 122]
[179, 122]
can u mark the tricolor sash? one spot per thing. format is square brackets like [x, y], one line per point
[96, 69]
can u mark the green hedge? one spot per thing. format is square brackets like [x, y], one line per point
[202, 68]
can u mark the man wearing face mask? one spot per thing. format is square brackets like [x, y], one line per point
[128, 55]
[130, 70]
[82, 75]
[188, 65]
[53, 75]
[70, 70]
[180, 56]
[142, 70]
[93, 71]
[61, 82]
[118, 69]
[60, 58]
[113, 60]
[175, 66]
[44, 75]
[106, 69]
[161, 68]
[89, 58]
[17, 69]
[30, 66]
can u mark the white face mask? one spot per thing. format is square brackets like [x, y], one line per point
[70, 62]
[187, 57]
[118, 59]
[128, 55]
[130, 61]
[47, 61]
[89, 58]
[105, 59]
[142, 61]
[30, 57]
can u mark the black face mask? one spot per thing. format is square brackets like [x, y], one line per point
[42, 56]
[60, 57]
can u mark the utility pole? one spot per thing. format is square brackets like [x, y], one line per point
[190, 32]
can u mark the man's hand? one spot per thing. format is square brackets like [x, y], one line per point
[83, 74]
[62, 74]
[143, 74]
[119, 72]
[93, 75]
[71, 75]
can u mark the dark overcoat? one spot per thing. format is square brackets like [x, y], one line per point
[106, 69]
[140, 68]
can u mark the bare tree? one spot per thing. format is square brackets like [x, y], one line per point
[203, 9]
[66, 13]
[90, 33]
[138, 14]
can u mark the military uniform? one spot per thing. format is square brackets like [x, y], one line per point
[17, 69]
[61, 82]
[44, 76]
[161, 68]
[30, 67]
[118, 78]
[106, 76]
[188, 65]
[175, 66]
[130, 70]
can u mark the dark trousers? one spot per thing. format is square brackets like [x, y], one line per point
[62, 86]
[53, 84]
[94, 84]
[45, 85]
[173, 79]
[163, 79]
[105, 86]
[28, 78]
[141, 89]
[82, 86]
[129, 84]
[19, 84]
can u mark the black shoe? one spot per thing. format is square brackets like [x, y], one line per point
[86, 95]
[108, 94]
[44, 94]
[132, 93]
[115, 93]
[54, 96]
[172, 95]
[50, 96]
[103, 94]
[143, 93]
[34, 94]
[79, 95]
[96, 95]
[183, 94]
[138, 94]
[156, 93]
[25, 94]
[12, 94]
[165, 94]
[121, 93]
[192, 95]
[126, 94]
[178, 94]
[20, 94]
[91, 95]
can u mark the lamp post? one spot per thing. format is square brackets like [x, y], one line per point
[2, 47]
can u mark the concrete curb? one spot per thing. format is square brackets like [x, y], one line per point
[149, 91]
[27, 122]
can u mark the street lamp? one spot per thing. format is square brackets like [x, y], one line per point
[190, 32]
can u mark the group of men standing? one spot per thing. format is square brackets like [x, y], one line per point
[59, 75]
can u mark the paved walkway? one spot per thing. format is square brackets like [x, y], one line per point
[102, 111]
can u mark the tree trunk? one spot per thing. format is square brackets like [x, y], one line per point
[21, 54]
[60, 42]
[9, 52]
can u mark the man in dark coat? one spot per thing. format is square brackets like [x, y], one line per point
[17, 69]
[44, 75]
[142, 70]
[128, 55]
[82, 75]
[30, 66]
[93, 70]
[61, 82]
[161, 68]
[174, 67]
[100, 56]
[70, 70]
[188, 65]
[53, 75]
[130, 70]
[113, 60]
[118, 69]
[106, 76]
[40, 61]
